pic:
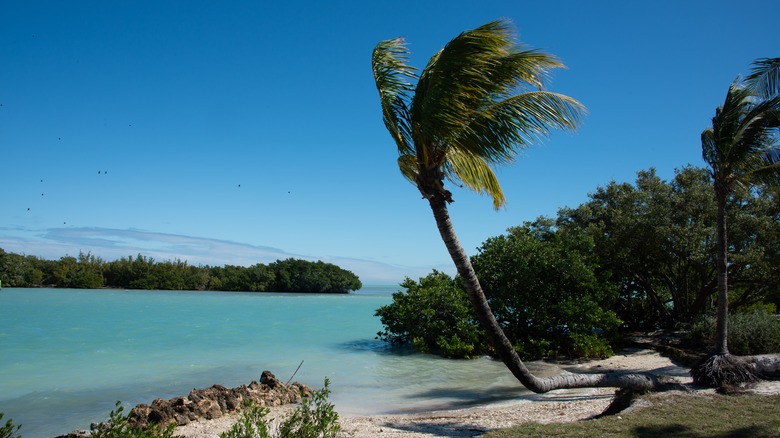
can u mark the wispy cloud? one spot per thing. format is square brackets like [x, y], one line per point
[111, 244]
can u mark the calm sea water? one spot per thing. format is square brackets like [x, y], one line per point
[66, 356]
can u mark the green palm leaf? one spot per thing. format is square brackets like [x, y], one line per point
[477, 103]
[476, 174]
[391, 73]
[765, 77]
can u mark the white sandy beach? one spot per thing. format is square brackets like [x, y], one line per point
[555, 406]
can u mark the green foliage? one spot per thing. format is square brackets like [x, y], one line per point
[251, 424]
[590, 345]
[750, 333]
[544, 290]
[293, 275]
[20, 271]
[118, 427]
[84, 272]
[314, 417]
[9, 430]
[655, 241]
[433, 315]
[140, 272]
[544, 294]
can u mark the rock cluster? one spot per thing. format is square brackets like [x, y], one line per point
[209, 403]
[216, 401]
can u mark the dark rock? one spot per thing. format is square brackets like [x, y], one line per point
[216, 401]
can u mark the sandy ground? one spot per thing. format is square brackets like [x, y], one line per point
[556, 406]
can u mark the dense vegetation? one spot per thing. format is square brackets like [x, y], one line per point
[87, 271]
[632, 257]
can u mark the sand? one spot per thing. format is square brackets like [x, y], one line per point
[563, 405]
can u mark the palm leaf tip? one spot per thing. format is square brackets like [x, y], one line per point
[764, 78]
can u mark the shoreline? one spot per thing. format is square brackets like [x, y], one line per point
[564, 405]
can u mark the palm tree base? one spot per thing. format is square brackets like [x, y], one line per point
[719, 370]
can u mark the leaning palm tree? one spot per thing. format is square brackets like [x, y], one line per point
[742, 148]
[478, 102]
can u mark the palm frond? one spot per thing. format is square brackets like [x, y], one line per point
[407, 164]
[743, 144]
[477, 103]
[391, 74]
[472, 72]
[765, 77]
[500, 131]
[475, 173]
[709, 148]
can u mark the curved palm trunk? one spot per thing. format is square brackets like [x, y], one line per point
[721, 330]
[498, 339]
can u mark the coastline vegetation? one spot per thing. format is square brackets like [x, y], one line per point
[635, 257]
[87, 271]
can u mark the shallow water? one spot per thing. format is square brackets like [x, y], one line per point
[66, 356]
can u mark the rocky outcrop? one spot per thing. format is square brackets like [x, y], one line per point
[209, 403]
[216, 401]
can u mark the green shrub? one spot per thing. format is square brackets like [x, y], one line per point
[591, 346]
[251, 423]
[9, 430]
[435, 316]
[315, 417]
[544, 288]
[755, 332]
[118, 427]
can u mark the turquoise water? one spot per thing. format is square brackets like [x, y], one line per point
[67, 355]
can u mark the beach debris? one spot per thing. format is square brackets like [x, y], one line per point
[293, 374]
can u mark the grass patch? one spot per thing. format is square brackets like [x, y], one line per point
[672, 415]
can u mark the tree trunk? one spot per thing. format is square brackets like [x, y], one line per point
[498, 339]
[721, 368]
[767, 366]
[722, 330]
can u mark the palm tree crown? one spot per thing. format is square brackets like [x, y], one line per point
[743, 145]
[478, 102]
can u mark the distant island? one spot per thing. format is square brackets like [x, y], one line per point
[90, 272]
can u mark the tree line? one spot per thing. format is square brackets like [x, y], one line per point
[633, 257]
[87, 271]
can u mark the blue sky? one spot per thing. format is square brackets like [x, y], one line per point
[244, 132]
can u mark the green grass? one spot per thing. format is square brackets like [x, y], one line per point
[672, 415]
